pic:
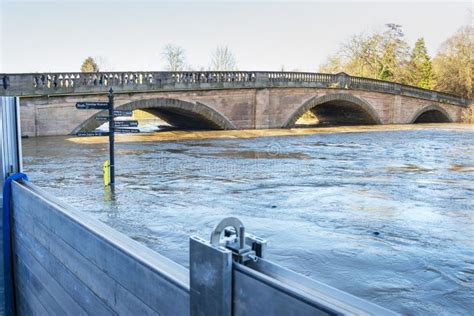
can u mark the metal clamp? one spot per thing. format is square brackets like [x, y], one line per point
[240, 251]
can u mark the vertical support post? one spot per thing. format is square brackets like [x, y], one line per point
[10, 163]
[10, 137]
[111, 137]
[210, 269]
[343, 80]
[261, 80]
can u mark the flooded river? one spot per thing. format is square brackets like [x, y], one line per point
[386, 215]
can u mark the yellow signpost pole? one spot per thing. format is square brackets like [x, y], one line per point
[106, 173]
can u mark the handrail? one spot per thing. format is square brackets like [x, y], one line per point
[33, 84]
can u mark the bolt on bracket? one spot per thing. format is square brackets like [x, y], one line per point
[230, 233]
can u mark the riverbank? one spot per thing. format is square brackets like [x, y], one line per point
[192, 135]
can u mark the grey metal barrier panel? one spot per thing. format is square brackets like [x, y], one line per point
[252, 285]
[68, 263]
[257, 283]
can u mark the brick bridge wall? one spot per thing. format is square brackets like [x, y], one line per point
[242, 108]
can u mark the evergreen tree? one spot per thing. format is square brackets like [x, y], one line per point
[420, 70]
[394, 54]
[89, 65]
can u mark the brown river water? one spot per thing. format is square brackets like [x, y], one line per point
[385, 213]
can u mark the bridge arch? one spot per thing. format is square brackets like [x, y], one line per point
[178, 113]
[431, 114]
[339, 108]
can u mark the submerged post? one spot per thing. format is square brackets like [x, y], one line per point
[111, 137]
[106, 171]
[10, 161]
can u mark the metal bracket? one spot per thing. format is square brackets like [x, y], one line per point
[6, 82]
[10, 137]
[230, 233]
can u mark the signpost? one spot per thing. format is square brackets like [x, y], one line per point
[103, 118]
[111, 137]
[114, 127]
[122, 113]
[92, 105]
[125, 123]
[126, 130]
[93, 133]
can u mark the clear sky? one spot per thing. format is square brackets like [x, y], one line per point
[264, 35]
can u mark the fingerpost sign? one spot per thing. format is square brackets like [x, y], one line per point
[114, 126]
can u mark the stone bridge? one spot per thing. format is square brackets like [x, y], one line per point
[226, 100]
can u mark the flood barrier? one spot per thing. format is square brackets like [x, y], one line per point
[66, 262]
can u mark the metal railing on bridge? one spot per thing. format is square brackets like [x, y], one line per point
[34, 84]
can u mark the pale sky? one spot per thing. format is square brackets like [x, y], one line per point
[264, 35]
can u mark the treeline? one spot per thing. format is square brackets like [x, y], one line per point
[175, 59]
[387, 56]
[380, 55]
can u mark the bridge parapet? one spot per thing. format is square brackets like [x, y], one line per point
[38, 84]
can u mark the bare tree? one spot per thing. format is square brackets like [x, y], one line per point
[380, 55]
[103, 63]
[175, 57]
[223, 59]
[453, 65]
